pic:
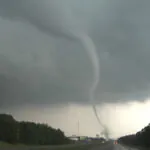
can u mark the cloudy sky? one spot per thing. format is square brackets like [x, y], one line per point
[46, 74]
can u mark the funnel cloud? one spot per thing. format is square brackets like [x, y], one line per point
[91, 50]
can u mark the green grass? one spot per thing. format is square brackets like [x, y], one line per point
[80, 146]
[2, 144]
[5, 145]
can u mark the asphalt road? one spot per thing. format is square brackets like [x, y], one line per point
[112, 146]
[121, 147]
[107, 146]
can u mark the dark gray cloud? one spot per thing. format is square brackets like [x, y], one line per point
[38, 67]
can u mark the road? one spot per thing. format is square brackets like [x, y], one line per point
[106, 146]
[112, 146]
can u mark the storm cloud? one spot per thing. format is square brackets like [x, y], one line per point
[39, 64]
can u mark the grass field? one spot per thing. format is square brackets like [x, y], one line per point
[7, 145]
[81, 146]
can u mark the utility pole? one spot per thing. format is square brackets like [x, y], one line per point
[78, 127]
[78, 131]
[18, 134]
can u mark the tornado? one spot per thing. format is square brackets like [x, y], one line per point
[89, 46]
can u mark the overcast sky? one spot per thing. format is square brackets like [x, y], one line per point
[43, 66]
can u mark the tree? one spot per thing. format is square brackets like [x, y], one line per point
[8, 128]
[29, 132]
[141, 138]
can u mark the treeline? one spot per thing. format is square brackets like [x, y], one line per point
[29, 133]
[141, 138]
